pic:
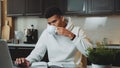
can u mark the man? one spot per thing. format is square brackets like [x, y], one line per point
[61, 39]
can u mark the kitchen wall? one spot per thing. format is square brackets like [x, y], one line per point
[96, 27]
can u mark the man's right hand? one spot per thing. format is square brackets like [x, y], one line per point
[22, 62]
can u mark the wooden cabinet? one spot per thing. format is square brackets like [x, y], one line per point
[17, 52]
[24, 7]
[100, 6]
[69, 7]
[76, 7]
[55, 3]
[90, 7]
[33, 7]
[15, 7]
[117, 6]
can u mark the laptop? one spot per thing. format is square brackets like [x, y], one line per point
[5, 58]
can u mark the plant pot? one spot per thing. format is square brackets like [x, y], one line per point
[101, 66]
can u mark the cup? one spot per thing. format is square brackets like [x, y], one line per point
[51, 29]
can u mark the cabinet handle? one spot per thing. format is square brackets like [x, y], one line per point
[84, 7]
[25, 48]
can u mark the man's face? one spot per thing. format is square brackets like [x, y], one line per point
[57, 21]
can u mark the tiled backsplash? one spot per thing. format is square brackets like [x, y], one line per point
[97, 28]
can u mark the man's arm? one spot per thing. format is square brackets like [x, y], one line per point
[81, 41]
[39, 51]
[36, 55]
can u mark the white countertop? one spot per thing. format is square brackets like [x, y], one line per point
[22, 45]
[113, 46]
[33, 45]
[112, 66]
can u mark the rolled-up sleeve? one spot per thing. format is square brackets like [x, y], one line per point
[81, 42]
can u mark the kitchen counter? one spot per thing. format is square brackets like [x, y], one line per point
[113, 46]
[22, 50]
[21, 45]
[89, 66]
[18, 50]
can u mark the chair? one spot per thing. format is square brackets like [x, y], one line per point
[80, 60]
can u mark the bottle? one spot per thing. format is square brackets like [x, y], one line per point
[105, 41]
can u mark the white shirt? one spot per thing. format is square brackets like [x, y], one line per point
[61, 49]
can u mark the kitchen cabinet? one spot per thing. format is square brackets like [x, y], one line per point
[76, 7]
[55, 3]
[69, 7]
[90, 7]
[117, 6]
[15, 7]
[33, 7]
[100, 6]
[24, 7]
[17, 52]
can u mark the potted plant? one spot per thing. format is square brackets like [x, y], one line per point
[100, 57]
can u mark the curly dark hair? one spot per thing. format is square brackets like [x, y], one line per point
[53, 11]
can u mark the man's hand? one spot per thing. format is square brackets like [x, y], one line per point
[65, 32]
[22, 62]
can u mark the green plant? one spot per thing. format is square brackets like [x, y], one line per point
[100, 55]
[116, 61]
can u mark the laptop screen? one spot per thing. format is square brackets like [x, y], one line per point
[5, 58]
